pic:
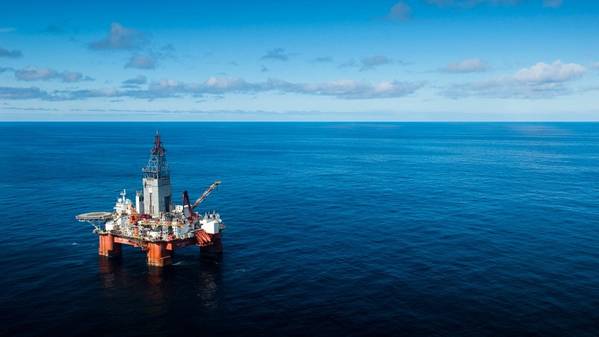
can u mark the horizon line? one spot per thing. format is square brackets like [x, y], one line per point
[299, 121]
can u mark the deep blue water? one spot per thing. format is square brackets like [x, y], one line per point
[333, 229]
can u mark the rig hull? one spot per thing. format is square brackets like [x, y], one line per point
[159, 253]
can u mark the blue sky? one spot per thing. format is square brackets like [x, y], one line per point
[455, 60]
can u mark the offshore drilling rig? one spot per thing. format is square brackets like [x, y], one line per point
[154, 224]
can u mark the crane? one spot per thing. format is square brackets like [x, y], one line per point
[188, 208]
[206, 194]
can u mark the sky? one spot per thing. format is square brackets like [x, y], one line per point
[408, 60]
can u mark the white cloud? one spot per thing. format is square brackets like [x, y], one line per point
[541, 80]
[343, 89]
[346, 89]
[351, 89]
[554, 72]
[45, 74]
[35, 74]
[10, 53]
[400, 11]
[368, 62]
[466, 66]
[277, 54]
[506, 88]
[72, 76]
[372, 62]
[136, 81]
[141, 61]
[22, 93]
[120, 38]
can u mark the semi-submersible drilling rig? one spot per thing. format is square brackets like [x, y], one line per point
[154, 224]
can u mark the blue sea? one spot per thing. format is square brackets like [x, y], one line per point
[333, 229]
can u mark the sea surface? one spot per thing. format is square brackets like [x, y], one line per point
[333, 229]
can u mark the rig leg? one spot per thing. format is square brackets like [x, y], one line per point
[158, 255]
[215, 246]
[107, 247]
[218, 244]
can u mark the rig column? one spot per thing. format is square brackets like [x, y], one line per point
[107, 247]
[158, 255]
[218, 243]
[214, 245]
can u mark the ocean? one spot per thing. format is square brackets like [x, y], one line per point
[333, 229]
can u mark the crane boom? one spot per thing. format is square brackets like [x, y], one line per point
[206, 194]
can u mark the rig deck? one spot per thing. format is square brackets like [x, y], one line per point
[154, 224]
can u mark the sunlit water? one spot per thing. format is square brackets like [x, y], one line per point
[332, 229]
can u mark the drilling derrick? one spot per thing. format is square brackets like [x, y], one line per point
[157, 197]
[154, 224]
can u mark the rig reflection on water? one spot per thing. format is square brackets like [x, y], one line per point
[161, 285]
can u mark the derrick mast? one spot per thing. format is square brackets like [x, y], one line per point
[157, 197]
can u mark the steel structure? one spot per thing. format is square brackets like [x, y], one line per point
[154, 224]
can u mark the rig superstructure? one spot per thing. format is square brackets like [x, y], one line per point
[154, 224]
